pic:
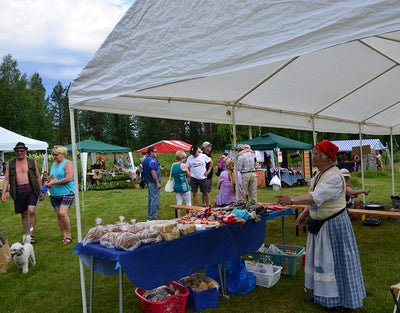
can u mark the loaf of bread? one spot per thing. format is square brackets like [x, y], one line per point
[108, 240]
[199, 282]
[187, 229]
[127, 241]
[148, 236]
[94, 234]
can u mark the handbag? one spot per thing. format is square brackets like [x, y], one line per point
[5, 256]
[169, 187]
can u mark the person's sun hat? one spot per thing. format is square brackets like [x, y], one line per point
[206, 144]
[328, 148]
[20, 145]
[345, 172]
[240, 147]
[193, 149]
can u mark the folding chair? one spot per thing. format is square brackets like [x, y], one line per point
[396, 298]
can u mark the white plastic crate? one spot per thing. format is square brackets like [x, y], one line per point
[267, 275]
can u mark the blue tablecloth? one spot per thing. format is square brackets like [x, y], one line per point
[151, 266]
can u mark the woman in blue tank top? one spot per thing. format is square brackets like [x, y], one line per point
[62, 190]
[180, 172]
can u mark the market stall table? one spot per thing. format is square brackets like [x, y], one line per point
[154, 265]
[290, 178]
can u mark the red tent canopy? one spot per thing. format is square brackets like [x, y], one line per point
[168, 146]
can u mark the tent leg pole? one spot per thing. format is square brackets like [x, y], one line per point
[391, 159]
[77, 205]
[120, 295]
[91, 284]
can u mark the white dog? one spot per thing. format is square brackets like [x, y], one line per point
[23, 253]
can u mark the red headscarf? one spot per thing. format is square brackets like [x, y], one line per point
[328, 148]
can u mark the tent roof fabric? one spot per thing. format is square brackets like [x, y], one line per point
[9, 139]
[168, 146]
[97, 146]
[329, 66]
[347, 145]
[271, 141]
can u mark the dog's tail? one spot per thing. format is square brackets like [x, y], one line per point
[26, 239]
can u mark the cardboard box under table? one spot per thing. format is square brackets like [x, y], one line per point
[154, 265]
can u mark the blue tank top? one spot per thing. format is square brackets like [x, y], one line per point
[180, 182]
[59, 173]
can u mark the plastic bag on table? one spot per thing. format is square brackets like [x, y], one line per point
[94, 234]
[148, 236]
[127, 241]
[108, 240]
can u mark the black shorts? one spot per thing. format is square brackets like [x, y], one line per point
[25, 197]
[195, 183]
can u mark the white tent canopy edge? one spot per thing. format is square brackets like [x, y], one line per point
[331, 66]
[292, 65]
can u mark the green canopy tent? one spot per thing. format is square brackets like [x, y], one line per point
[271, 141]
[96, 146]
[91, 146]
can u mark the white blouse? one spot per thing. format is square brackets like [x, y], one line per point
[329, 188]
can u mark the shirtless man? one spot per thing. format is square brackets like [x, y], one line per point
[25, 183]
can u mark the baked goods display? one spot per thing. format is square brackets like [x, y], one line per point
[199, 282]
[108, 240]
[148, 236]
[127, 241]
[94, 234]
[130, 236]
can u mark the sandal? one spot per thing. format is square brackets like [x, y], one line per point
[33, 240]
[62, 240]
[67, 241]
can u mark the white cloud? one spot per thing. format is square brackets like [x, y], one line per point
[63, 32]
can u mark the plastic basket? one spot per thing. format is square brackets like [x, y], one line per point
[290, 262]
[176, 303]
[265, 279]
[201, 300]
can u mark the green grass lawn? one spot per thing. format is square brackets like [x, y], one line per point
[53, 285]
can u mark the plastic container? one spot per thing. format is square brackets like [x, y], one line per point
[201, 300]
[176, 303]
[290, 262]
[303, 259]
[265, 279]
[395, 202]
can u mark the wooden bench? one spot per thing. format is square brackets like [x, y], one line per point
[184, 207]
[375, 213]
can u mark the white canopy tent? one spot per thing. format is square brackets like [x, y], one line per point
[327, 66]
[9, 139]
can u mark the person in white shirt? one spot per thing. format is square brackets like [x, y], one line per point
[198, 174]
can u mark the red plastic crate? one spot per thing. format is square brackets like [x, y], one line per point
[176, 303]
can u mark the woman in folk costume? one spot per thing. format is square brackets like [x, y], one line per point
[333, 268]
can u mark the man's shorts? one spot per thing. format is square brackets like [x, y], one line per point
[58, 201]
[25, 197]
[194, 183]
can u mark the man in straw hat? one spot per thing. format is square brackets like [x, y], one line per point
[23, 176]
[333, 267]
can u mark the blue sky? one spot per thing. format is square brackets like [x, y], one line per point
[56, 38]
